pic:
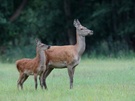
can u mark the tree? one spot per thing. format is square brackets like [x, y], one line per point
[52, 21]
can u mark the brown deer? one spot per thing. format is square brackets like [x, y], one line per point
[67, 56]
[35, 66]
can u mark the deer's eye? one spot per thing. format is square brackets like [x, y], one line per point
[81, 29]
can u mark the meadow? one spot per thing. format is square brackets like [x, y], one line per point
[94, 80]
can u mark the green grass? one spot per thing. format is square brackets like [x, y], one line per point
[95, 80]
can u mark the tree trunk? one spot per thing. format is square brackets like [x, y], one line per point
[69, 21]
[18, 11]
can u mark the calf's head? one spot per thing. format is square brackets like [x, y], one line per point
[40, 46]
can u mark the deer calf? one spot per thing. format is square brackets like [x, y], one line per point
[35, 66]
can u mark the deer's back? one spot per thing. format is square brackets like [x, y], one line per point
[26, 64]
[61, 55]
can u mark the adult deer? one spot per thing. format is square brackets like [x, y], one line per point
[67, 56]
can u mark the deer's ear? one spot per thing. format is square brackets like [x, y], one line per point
[49, 46]
[76, 23]
[41, 44]
[37, 41]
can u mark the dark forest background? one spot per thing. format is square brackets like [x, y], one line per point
[21, 21]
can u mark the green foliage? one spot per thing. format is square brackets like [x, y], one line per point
[102, 49]
[12, 54]
[111, 21]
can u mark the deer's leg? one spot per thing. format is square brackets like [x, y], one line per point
[21, 84]
[70, 73]
[24, 79]
[45, 75]
[40, 80]
[35, 79]
[19, 80]
[73, 71]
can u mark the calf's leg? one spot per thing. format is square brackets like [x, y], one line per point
[45, 75]
[35, 79]
[19, 80]
[25, 76]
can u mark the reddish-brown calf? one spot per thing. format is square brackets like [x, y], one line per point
[34, 66]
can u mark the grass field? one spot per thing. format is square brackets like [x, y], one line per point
[95, 80]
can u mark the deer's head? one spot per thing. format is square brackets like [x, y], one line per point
[81, 30]
[41, 46]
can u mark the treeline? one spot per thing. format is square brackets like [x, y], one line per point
[21, 21]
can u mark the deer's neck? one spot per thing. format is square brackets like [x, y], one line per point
[41, 56]
[80, 44]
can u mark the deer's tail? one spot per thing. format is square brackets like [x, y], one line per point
[17, 66]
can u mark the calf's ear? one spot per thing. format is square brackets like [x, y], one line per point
[49, 46]
[37, 41]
